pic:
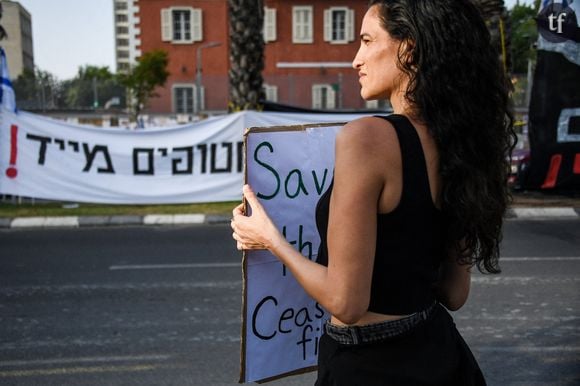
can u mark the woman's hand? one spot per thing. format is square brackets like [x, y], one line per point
[256, 231]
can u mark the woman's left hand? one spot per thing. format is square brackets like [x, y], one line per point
[256, 231]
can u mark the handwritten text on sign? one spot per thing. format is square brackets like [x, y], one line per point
[289, 168]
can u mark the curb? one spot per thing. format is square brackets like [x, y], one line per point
[520, 213]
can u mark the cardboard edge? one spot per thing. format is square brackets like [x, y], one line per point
[269, 129]
[244, 325]
[242, 378]
[288, 374]
[247, 132]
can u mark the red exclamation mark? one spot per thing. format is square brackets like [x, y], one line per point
[11, 172]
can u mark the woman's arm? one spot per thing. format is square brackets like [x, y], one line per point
[454, 282]
[342, 288]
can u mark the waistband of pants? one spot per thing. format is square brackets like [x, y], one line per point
[377, 332]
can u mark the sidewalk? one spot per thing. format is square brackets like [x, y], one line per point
[525, 206]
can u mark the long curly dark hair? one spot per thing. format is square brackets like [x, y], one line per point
[459, 90]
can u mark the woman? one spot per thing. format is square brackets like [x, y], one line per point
[417, 200]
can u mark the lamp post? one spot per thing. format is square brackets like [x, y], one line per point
[198, 74]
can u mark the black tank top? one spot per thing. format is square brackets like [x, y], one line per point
[410, 239]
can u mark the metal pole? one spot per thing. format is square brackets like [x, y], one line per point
[95, 94]
[197, 103]
[198, 70]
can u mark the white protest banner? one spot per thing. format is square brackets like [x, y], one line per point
[198, 162]
[289, 168]
[50, 159]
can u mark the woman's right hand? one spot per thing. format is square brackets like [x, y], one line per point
[256, 231]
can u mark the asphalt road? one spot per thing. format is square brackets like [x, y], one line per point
[161, 306]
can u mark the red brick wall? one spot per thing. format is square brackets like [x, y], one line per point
[182, 57]
[294, 85]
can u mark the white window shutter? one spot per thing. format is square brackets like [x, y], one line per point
[196, 25]
[327, 25]
[374, 104]
[350, 25]
[269, 24]
[295, 25]
[331, 98]
[166, 25]
[274, 29]
[274, 93]
[310, 27]
[316, 97]
[271, 93]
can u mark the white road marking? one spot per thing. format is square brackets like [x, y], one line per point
[174, 266]
[530, 213]
[527, 349]
[239, 265]
[84, 365]
[547, 258]
[30, 290]
[76, 370]
[99, 359]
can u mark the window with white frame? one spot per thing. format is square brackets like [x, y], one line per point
[181, 25]
[271, 92]
[302, 24]
[323, 96]
[183, 99]
[269, 25]
[339, 25]
[376, 104]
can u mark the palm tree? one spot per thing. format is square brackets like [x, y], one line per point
[246, 54]
[497, 20]
[3, 33]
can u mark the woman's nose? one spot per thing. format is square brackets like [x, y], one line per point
[357, 62]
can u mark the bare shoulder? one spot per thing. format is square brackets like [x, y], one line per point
[370, 135]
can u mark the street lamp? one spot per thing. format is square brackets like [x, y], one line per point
[198, 74]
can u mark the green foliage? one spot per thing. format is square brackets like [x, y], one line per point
[524, 33]
[38, 89]
[149, 73]
[92, 87]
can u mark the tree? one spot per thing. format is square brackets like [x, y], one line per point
[246, 54]
[92, 87]
[3, 33]
[38, 90]
[142, 80]
[524, 34]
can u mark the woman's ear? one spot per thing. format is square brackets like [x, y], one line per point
[406, 49]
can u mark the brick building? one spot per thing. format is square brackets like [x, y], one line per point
[309, 49]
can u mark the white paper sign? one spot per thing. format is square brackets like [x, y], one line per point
[289, 168]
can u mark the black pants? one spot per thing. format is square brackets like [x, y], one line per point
[433, 353]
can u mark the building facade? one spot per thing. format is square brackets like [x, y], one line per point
[127, 30]
[17, 22]
[309, 48]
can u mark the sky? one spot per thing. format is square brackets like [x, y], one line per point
[68, 34]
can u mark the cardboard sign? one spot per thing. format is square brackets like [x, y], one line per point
[289, 168]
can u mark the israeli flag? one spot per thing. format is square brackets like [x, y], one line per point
[7, 97]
